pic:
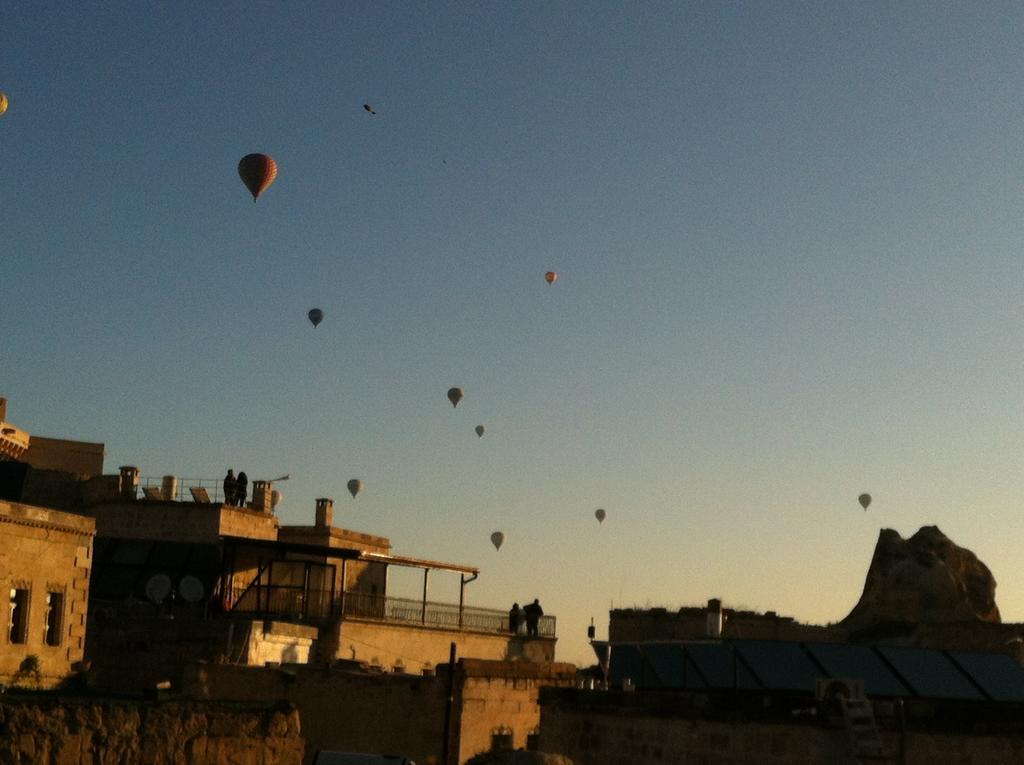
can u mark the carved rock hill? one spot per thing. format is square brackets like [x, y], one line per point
[924, 579]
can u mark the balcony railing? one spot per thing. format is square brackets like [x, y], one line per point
[180, 493]
[292, 602]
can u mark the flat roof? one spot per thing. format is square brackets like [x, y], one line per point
[401, 560]
[349, 553]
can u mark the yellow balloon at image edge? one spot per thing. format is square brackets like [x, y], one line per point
[3, 102]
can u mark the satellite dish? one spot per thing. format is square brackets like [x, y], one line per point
[158, 588]
[190, 589]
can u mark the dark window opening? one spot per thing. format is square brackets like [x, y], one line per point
[54, 618]
[533, 741]
[18, 620]
[501, 740]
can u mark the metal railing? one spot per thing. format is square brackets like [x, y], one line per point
[293, 602]
[447, 615]
[214, 488]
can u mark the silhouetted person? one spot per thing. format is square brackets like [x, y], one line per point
[230, 487]
[533, 613]
[243, 488]
[515, 618]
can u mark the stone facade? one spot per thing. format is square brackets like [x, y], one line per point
[48, 732]
[500, 698]
[180, 521]
[130, 653]
[82, 458]
[629, 625]
[388, 644]
[352, 710]
[45, 562]
[598, 728]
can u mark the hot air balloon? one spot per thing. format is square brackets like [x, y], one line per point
[257, 172]
[600, 515]
[551, 277]
[479, 430]
[455, 395]
[865, 500]
[275, 498]
[497, 539]
[355, 486]
[369, 108]
[3, 102]
[316, 316]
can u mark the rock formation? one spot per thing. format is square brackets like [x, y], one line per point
[925, 579]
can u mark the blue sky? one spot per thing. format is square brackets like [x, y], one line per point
[788, 237]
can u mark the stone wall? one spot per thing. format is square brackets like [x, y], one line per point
[51, 732]
[348, 711]
[605, 730]
[690, 623]
[351, 710]
[388, 644]
[180, 521]
[80, 457]
[495, 697]
[48, 554]
[129, 655]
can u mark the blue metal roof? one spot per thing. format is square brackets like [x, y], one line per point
[795, 667]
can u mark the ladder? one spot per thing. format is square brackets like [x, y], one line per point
[865, 740]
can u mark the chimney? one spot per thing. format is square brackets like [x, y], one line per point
[714, 618]
[324, 513]
[261, 497]
[128, 485]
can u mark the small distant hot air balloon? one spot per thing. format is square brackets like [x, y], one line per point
[865, 500]
[455, 395]
[600, 515]
[497, 539]
[257, 172]
[3, 102]
[369, 108]
[551, 277]
[316, 316]
[275, 498]
[479, 430]
[355, 486]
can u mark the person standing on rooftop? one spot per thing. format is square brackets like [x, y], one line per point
[230, 487]
[243, 488]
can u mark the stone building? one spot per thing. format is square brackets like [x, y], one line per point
[486, 704]
[747, 701]
[251, 589]
[45, 562]
[698, 622]
[222, 602]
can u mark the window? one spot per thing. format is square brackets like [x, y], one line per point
[54, 622]
[533, 740]
[17, 630]
[501, 739]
